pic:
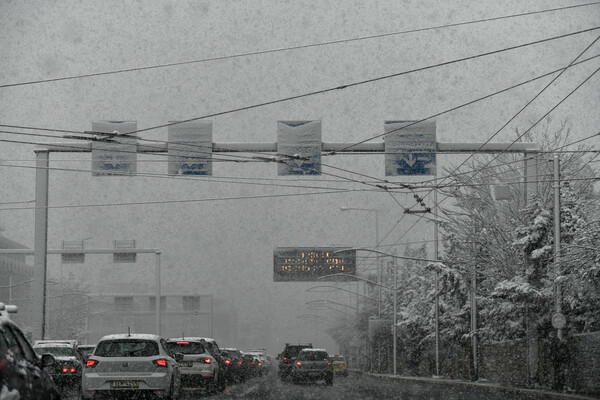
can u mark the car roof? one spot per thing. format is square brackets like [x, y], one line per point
[191, 339]
[142, 336]
[54, 344]
[311, 349]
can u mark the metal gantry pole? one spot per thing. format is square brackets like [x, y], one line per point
[40, 245]
[41, 193]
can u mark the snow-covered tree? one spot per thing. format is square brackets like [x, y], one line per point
[509, 244]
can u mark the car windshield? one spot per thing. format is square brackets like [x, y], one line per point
[185, 347]
[312, 356]
[126, 348]
[56, 351]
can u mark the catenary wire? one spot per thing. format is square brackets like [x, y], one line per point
[435, 115]
[233, 198]
[299, 47]
[524, 133]
[545, 115]
[343, 87]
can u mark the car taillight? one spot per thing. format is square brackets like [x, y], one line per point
[239, 362]
[228, 361]
[68, 369]
[298, 363]
[285, 358]
[329, 363]
[91, 363]
[204, 360]
[182, 342]
[161, 362]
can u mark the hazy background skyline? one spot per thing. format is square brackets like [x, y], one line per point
[222, 240]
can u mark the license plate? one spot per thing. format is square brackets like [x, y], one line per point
[125, 384]
[185, 363]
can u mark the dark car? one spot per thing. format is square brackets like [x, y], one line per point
[22, 372]
[288, 357]
[312, 365]
[250, 366]
[68, 367]
[86, 350]
[233, 362]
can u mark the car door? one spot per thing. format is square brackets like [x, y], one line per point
[16, 371]
[42, 385]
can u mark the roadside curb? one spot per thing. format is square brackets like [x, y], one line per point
[491, 386]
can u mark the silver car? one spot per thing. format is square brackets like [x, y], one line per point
[128, 364]
[199, 369]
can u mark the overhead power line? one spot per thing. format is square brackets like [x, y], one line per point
[250, 159]
[138, 203]
[372, 80]
[299, 47]
[519, 137]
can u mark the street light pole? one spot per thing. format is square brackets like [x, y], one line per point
[379, 267]
[378, 261]
[395, 316]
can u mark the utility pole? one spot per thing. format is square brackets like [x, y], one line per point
[437, 282]
[558, 320]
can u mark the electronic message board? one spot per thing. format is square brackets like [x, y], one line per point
[310, 263]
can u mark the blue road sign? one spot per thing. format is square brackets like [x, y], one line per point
[410, 148]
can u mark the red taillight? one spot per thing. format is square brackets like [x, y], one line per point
[252, 362]
[259, 363]
[285, 358]
[91, 363]
[182, 342]
[228, 361]
[239, 362]
[329, 363]
[69, 369]
[204, 360]
[161, 362]
[298, 363]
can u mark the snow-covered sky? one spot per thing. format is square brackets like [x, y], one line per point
[250, 52]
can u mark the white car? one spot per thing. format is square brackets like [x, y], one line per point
[129, 364]
[199, 369]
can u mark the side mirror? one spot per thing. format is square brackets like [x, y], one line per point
[48, 360]
[178, 357]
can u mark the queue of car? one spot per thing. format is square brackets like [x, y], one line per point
[136, 363]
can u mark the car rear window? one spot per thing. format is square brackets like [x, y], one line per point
[338, 358]
[55, 351]
[126, 348]
[292, 351]
[185, 347]
[313, 356]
